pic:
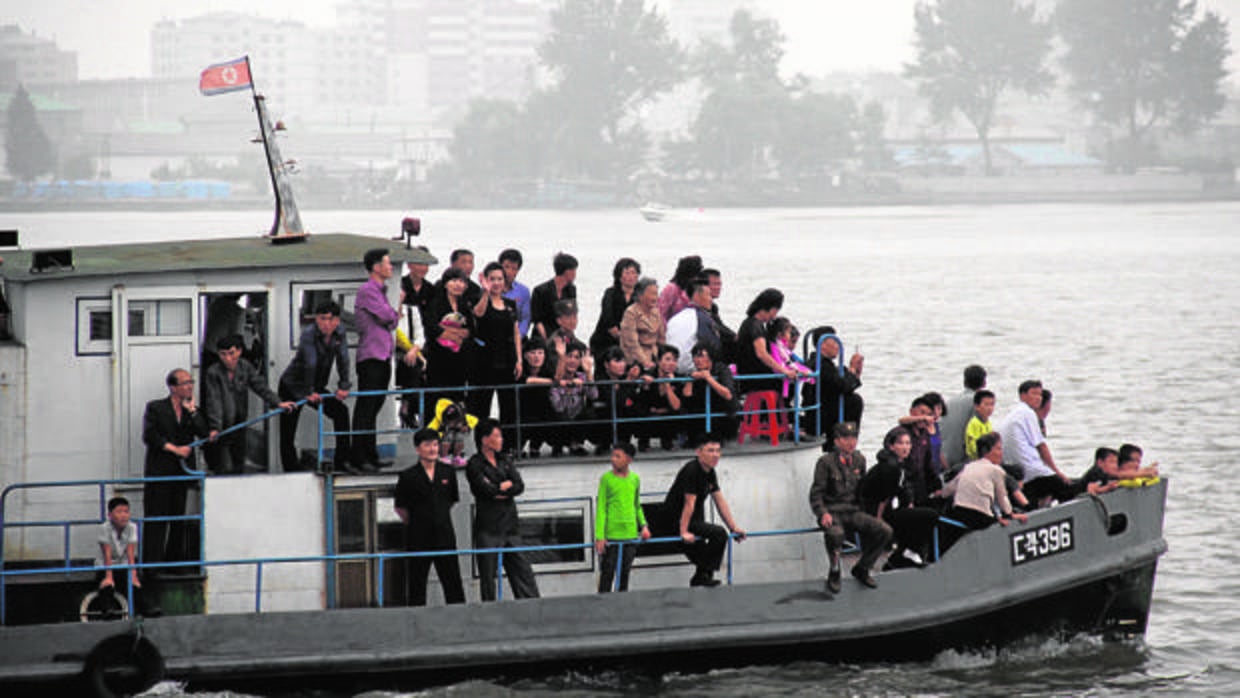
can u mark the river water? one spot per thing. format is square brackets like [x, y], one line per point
[1129, 313]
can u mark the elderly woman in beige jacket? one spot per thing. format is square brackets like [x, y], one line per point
[642, 329]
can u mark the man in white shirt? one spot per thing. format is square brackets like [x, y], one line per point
[694, 325]
[1026, 448]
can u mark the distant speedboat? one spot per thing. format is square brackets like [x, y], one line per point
[654, 212]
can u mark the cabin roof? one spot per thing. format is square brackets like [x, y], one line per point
[200, 255]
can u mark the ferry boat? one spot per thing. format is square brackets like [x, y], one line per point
[301, 574]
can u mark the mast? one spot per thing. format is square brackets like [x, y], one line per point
[286, 225]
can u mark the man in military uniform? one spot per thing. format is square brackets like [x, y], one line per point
[837, 508]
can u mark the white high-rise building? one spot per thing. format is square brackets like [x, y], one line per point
[440, 54]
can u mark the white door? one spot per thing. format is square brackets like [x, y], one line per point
[154, 331]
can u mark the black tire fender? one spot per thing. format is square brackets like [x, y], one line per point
[122, 665]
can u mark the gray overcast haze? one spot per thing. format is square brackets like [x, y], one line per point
[112, 38]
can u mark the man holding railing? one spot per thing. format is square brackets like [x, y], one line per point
[683, 513]
[225, 396]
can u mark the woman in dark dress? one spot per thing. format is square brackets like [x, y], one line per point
[497, 357]
[887, 493]
[449, 325]
[753, 355]
[615, 299]
[716, 380]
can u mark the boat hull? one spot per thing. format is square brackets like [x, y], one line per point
[986, 592]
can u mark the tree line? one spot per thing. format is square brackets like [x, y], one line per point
[1133, 65]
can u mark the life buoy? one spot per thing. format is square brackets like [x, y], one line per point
[122, 665]
[97, 605]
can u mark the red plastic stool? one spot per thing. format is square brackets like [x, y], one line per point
[757, 404]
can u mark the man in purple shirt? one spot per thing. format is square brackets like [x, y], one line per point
[376, 321]
[511, 260]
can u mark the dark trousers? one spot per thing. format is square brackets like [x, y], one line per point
[607, 567]
[875, 536]
[478, 401]
[973, 520]
[227, 455]
[447, 568]
[518, 571]
[334, 410]
[372, 374]
[1049, 486]
[706, 553]
[913, 528]
[120, 584]
[164, 541]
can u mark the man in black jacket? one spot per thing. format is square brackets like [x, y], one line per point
[831, 385]
[495, 482]
[425, 494]
[225, 396]
[169, 425]
[322, 345]
[683, 513]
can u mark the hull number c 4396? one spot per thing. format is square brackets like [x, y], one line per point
[1041, 541]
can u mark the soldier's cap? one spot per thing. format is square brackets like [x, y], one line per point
[845, 429]
[566, 306]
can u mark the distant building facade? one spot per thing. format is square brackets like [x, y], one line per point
[28, 59]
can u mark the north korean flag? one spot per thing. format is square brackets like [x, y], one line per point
[225, 77]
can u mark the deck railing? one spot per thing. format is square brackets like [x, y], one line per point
[613, 421]
[383, 558]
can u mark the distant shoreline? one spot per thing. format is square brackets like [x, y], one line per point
[843, 201]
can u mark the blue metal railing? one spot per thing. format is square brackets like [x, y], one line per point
[614, 420]
[382, 559]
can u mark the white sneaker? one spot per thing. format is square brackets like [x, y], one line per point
[913, 558]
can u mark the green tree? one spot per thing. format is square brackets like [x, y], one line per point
[815, 130]
[1138, 63]
[607, 58]
[871, 125]
[969, 52]
[739, 121]
[27, 150]
[485, 149]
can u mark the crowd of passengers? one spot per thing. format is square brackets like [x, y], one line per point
[945, 468]
[658, 358]
[468, 343]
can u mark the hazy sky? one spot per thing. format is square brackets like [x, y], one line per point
[112, 37]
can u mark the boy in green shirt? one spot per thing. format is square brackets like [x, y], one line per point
[979, 424]
[618, 517]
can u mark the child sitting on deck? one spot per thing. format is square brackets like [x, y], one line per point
[571, 396]
[783, 340]
[534, 400]
[661, 399]
[453, 425]
[979, 423]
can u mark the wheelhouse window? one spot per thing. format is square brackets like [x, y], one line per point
[306, 297]
[160, 318]
[555, 523]
[149, 318]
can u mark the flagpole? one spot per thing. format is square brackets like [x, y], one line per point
[261, 110]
